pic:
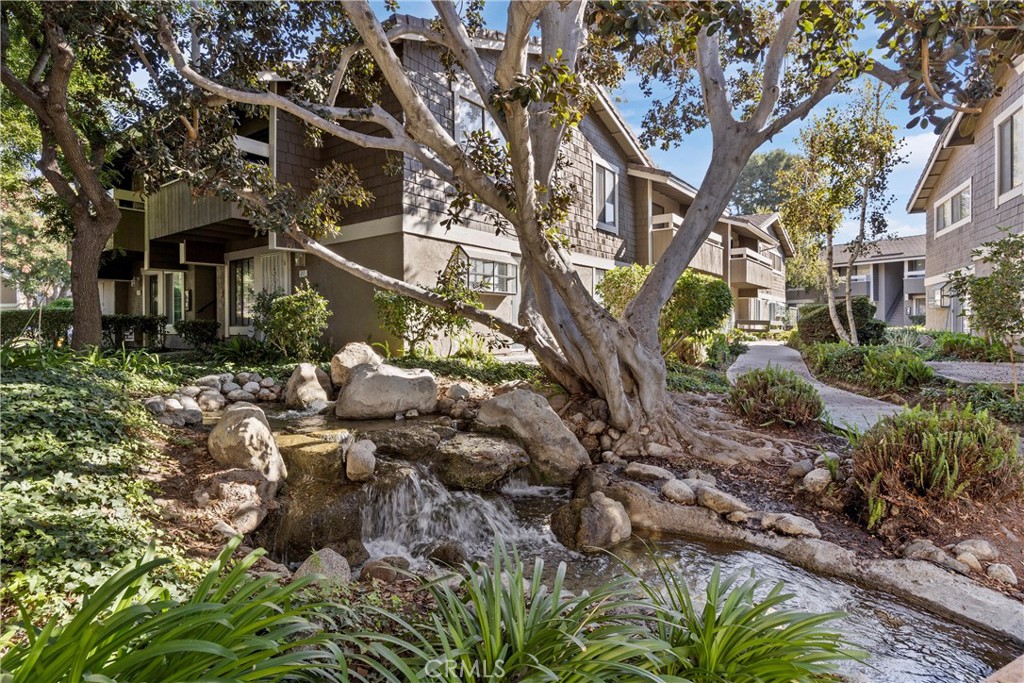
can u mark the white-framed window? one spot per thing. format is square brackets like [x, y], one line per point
[165, 295]
[1009, 156]
[606, 196]
[470, 115]
[953, 210]
[915, 267]
[495, 277]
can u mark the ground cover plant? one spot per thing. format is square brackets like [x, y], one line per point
[876, 370]
[775, 396]
[924, 462]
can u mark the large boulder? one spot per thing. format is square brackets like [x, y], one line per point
[411, 441]
[384, 391]
[309, 388]
[592, 523]
[242, 497]
[477, 461]
[309, 457]
[555, 454]
[349, 357]
[242, 439]
[327, 566]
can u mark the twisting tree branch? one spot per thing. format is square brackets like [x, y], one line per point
[927, 79]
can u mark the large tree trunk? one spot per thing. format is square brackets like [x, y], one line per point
[91, 236]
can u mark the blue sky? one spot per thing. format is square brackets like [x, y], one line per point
[691, 158]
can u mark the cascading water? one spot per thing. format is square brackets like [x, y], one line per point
[402, 517]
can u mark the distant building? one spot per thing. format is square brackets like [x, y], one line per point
[891, 274]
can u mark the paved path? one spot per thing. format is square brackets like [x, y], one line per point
[845, 409]
[971, 372]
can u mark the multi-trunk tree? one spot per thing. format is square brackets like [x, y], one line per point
[551, 56]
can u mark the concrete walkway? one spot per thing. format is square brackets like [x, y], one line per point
[843, 408]
[971, 372]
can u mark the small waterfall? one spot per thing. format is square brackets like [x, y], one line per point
[401, 517]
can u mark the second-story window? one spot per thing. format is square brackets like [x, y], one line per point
[1009, 155]
[606, 196]
[915, 267]
[954, 209]
[471, 116]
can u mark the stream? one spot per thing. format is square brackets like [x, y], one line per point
[403, 512]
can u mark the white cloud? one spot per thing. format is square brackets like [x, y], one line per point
[917, 149]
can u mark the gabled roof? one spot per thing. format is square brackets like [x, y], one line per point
[763, 223]
[895, 249]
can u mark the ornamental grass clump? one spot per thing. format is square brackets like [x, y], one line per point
[772, 395]
[922, 462]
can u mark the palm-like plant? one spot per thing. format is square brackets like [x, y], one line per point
[495, 624]
[736, 637]
[234, 628]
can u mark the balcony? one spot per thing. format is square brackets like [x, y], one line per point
[913, 284]
[860, 286]
[747, 268]
[708, 258]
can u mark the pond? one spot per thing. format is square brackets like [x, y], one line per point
[410, 508]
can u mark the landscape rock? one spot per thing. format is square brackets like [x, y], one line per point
[384, 390]
[360, 461]
[678, 492]
[251, 387]
[790, 525]
[242, 439]
[817, 480]
[239, 395]
[267, 382]
[590, 479]
[1002, 573]
[190, 390]
[800, 469]
[191, 417]
[555, 454]
[979, 547]
[595, 427]
[188, 403]
[657, 450]
[478, 461]
[925, 341]
[211, 381]
[211, 401]
[351, 356]
[924, 549]
[642, 472]
[172, 404]
[308, 388]
[458, 392]
[228, 387]
[155, 405]
[737, 517]
[353, 550]
[225, 530]
[327, 565]
[378, 570]
[702, 476]
[244, 378]
[592, 523]
[310, 458]
[720, 501]
[447, 551]
[971, 561]
[411, 442]
[243, 497]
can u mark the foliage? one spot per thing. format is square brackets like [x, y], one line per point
[75, 442]
[199, 334]
[684, 377]
[33, 259]
[997, 299]
[293, 323]
[50, 326]
[417, 323]
[245, 351]
[815, 325]
[906, 337]
[699, 303]
[487, 370]
[918, 461]
[234, 627]
[757, 190]
[735, 635]
[149, 330]
[836, 361]
[495, 623]
[63, 303]
[964, 346]
[771, 395]
[888, 368]
[996, 401]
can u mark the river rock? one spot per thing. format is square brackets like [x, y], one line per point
[211, 401]
[800, 469]
[243, 497]
[211, 381]
[720, 501]
[352, 550]
[308, 388]
[789, 525]
[817, 480]
[172, 404]
[590, 479]
[309, 457]
[239, 395]
[188, 403]
[979, 547]
[384, 391]
[242, 439]
[642, 472]
[555, 454]
[1002, 573]
[251, 387]
[658, 450]
[458, 392]
[155, 405]
[592, 523]
[228, 387]
[447, 551]
[190, 390]
[595, 427]
[267, 382]
[412, 442]
[226, 377]
[477, 461]
[351, 356]
[244, 378]
[702, 476]
[327, 565]
[971, 561]
[360, 461]
[678, 492]
[378, 570]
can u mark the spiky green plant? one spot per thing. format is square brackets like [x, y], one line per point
[494, 623]
[234, 628]
[773, 395]
[737, 637]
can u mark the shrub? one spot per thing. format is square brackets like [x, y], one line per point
[149, 330]
[486, 370]
[894, 368]
[292, 323]
[815, 324]
[199, 334]
[699, 303]
[962, 346]
[51, 326]
[920, 460]
[682, 377]
[735, 635]
[836, 361]
[245, 351]
[234, 627]
[907, 337]
[63, 303]
[769, 395]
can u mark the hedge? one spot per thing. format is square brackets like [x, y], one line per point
[53, 327]
[815, 325]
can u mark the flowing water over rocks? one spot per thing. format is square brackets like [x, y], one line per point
[406, 510]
